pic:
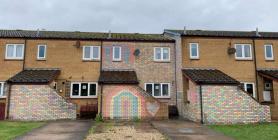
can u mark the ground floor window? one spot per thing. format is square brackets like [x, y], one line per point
[2, 89]
[250, 88]
[159, 90]
[83, 90]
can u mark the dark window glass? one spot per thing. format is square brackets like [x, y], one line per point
[149, 88]
[156, 89]
[75, 89]
[93, 89]
[84, 89]
[165, 90]
[249, 88]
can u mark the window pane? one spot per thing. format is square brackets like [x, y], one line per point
[19, 50]
[247, 51]
[5, 89]
[165, 90]
[149, 88]
[41, 51]
[93, 88]
[238, 51]
[87, 52]
[84, 89]
[165, 53]
[268, 50]
[10, 50]
[157, 53]
[116, 53]
[95, 52]
[156, 89]
[75, 89]
[194, 50]
[249, 88]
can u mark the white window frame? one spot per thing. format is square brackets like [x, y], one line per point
[2, 90]
[265, 53]
[38, 53]
[14, 53]
[120, 55]
[161, 96]
[190, 51]
[91, 53]
[161, 54]
[253, 85]
[243, 52]
[79, 92]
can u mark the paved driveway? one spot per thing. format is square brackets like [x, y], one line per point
[60, 130]
[186, 130]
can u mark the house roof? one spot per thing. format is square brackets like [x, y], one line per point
[208, 76]
[215, 33]
[272, 73]
[40, 76]
[118, 77]
[83, 35]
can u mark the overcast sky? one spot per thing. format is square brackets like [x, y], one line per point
[144, 16]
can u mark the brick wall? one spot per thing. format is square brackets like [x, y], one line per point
[147, 70]
[130, 102]
[224, 105]
[38, 102]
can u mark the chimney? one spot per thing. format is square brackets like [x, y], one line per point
[38, 32]
[257, 32]
[110, 34]
[184, 30]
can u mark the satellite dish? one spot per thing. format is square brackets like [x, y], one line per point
[137, 52]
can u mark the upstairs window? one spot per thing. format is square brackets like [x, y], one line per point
[2, 90]
[158, 90]
[194, 50]
[268, 49]
[14, 51]
[162, 54]
[243, 51]
[41, 52]
[117, 51]
[91, 53]
[83, 90]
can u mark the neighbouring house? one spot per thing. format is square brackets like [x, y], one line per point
[246, 57]
[50, 75]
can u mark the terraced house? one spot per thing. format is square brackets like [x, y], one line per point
[48, 75]
[226, 76]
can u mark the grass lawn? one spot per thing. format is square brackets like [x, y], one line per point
[9, 130]
[250, 131]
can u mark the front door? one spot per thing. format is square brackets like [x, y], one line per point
[2, 111]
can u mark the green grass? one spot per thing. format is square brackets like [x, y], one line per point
[10, 130]
[250, 131]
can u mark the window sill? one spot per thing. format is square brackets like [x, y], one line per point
[94, 60]
[269, 60]
[41, 59]
[116, 60]
[244, 59]
[10, 59]
[162, 61]
[80, 97]
[3, 97]
[194, 58]
[161, 97]
[267, 102]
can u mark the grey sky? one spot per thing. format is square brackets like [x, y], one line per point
[148, 16]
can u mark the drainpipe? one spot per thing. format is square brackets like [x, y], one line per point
[176, 86]
[255, 65]
[101, 85]
[201, 105]
[8, 101]
[24, 57]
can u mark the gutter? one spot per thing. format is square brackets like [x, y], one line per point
[201, 105]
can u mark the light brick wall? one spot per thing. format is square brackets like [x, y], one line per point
[131, 102]
[147, 70]
[38, 102]
[224, 105]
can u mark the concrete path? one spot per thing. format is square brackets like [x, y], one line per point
[186, 130]
[60, 130]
